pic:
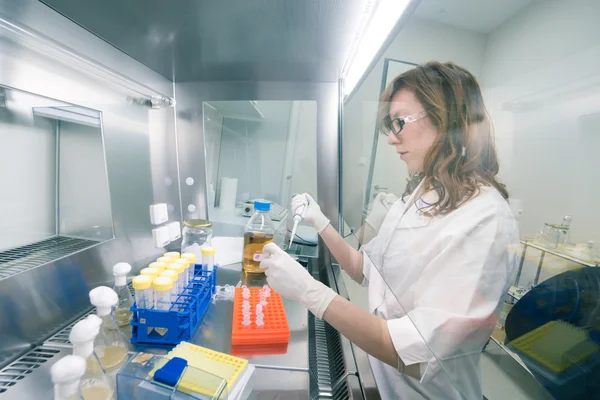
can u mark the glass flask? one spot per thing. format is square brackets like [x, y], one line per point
[94, 384]
[110, 346]
[122, 313]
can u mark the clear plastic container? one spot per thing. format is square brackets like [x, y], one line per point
[123, 311]
[144, 295]
[191, 257]
[173, 276]
[184, 273]
[66, 375]
[178, 268]
[208, 258]
[196, 233]
[110, 346]
[259, 231]
[162, 287]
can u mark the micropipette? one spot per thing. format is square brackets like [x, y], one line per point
[297, 219]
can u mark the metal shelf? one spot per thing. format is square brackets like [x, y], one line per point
[558, 254]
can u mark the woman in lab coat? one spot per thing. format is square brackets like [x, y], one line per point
[440, 263]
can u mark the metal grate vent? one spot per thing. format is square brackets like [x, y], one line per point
[61, 339]
[19, 369]
[23, 258]
[326, 360]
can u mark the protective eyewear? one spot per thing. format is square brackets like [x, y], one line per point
[397, 124]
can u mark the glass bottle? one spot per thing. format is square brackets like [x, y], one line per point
[66, 376]
[110, 346]
[196, 233]
[258, 232]
[94, 383]
[123, 312]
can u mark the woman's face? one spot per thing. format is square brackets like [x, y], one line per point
[416, 138]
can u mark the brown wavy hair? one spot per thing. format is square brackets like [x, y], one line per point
[463, 156]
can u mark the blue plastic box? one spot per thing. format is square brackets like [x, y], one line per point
[180, 322]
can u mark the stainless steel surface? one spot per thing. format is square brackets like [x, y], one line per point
[29, 376]
[228, 40]
[190, 134]
[27, 36]
[215, 330]
[272, 384]
[141, 162]
[24, 258]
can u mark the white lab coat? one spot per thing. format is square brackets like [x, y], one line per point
[439, 282]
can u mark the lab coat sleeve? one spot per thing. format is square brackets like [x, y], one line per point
[456, 296]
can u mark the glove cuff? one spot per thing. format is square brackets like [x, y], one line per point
[321, 223]
[317, 298]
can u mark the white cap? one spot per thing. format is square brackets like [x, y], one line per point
[104, 298]
[120, 271]
[83, 334]
[66, 374]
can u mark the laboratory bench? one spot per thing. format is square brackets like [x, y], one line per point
[316, 363]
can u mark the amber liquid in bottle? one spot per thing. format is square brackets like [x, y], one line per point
[253, 247]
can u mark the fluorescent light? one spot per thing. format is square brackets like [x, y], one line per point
[380, 21]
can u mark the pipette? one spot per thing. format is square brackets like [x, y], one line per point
[297, 219]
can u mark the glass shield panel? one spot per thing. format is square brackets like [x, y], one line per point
[260, 150]
[507, 301]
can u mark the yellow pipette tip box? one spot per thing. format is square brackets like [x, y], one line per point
[556, 345]
[206, 363]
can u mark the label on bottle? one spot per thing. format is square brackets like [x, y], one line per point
[257, 257]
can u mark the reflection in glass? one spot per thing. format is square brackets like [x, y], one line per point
[258, 150]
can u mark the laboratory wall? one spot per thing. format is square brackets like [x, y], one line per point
[543, 93]
[542, 88]
[253, 151]
[418, 41]
[141, 165]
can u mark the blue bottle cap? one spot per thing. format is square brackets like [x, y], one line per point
[262, 205]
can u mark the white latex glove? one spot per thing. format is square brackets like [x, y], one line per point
[291, 280]
[312, 212]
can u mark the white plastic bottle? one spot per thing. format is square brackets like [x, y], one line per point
[66, 375]
[94, 383]
[110, 346]
[123, 312]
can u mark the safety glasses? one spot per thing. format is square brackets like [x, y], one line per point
[397, 124]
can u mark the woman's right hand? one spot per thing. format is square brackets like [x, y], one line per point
[312, 212]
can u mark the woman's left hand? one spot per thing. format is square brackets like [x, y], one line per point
[291, 280]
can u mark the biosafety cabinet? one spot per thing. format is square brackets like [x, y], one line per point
[107, 109]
